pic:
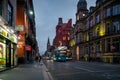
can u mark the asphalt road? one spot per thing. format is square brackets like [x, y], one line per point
[77, 70]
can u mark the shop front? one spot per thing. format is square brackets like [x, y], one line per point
[2, 53]
[8, 48]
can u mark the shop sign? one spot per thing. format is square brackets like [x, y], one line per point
[3, 32]
[19, 28]
[12, 37]
[2, 40]
[28, 48]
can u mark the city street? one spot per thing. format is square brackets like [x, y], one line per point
[77, 70]
[70, 70]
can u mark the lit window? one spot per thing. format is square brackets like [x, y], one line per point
[68, 38]
[77, 17]
[64, 38]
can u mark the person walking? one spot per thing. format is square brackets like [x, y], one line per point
[39, 59]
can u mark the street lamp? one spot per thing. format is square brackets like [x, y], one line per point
[31, 12]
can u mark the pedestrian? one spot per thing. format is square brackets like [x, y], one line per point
[39, 59]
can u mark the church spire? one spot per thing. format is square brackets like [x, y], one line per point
[48, 45]
[48, 42]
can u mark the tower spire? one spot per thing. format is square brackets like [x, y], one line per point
[48, 42]
[48, 45]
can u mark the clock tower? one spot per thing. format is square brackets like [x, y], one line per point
[81, 10]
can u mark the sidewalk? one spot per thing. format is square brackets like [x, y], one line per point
[34, 71]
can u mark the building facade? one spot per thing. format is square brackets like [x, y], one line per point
[26, 31]
[8, 39]
[99, 37]
[79, 25]
[62, 37]
[62, 33]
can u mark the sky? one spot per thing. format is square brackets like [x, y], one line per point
[47, 13]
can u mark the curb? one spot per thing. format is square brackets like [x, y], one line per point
[5, 69]
[46, 73]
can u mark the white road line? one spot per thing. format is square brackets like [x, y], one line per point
[94, 71]
[46, 73]
[69, 73]
[84, 69]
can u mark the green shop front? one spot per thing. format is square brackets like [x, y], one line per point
[8, 48]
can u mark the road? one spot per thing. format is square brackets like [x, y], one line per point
[77, 70]
[70, 70]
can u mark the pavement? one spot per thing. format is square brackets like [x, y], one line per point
[36, 69]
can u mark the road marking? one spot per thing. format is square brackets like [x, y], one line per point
[94, 71]
[46, 73]
[84, 69]
[107, 75]
[69, 73]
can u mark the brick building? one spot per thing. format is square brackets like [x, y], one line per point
[62, 37]
[26, 30]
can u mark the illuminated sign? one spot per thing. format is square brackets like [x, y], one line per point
[28, 48]
[3, 32]
[19, 28]
[62, 48]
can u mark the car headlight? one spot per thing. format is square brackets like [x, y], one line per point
[66, 57]
[59, 58]
[54, 58]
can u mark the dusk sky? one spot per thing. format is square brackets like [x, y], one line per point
[47, 13]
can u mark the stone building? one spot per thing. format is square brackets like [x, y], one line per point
[97, 32]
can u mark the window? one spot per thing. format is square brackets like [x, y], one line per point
[108, 12]
[0, 8]
[97, 3]
[116, 25]
[116, 45]
[91, 48]
[64, 38]
[91, 22]
[91, 35]
[116, 9]
[108, 45]
[68, 38]
[98, 47]
[97, 18]
[77, 17]
[108, 28]
[9, 14]
[97, 31]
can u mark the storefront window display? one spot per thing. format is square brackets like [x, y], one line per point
[2, 55]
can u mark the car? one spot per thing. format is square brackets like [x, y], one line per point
[61, 58]
[68, 58]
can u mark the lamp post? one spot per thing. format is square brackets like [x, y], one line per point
[31, 12]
